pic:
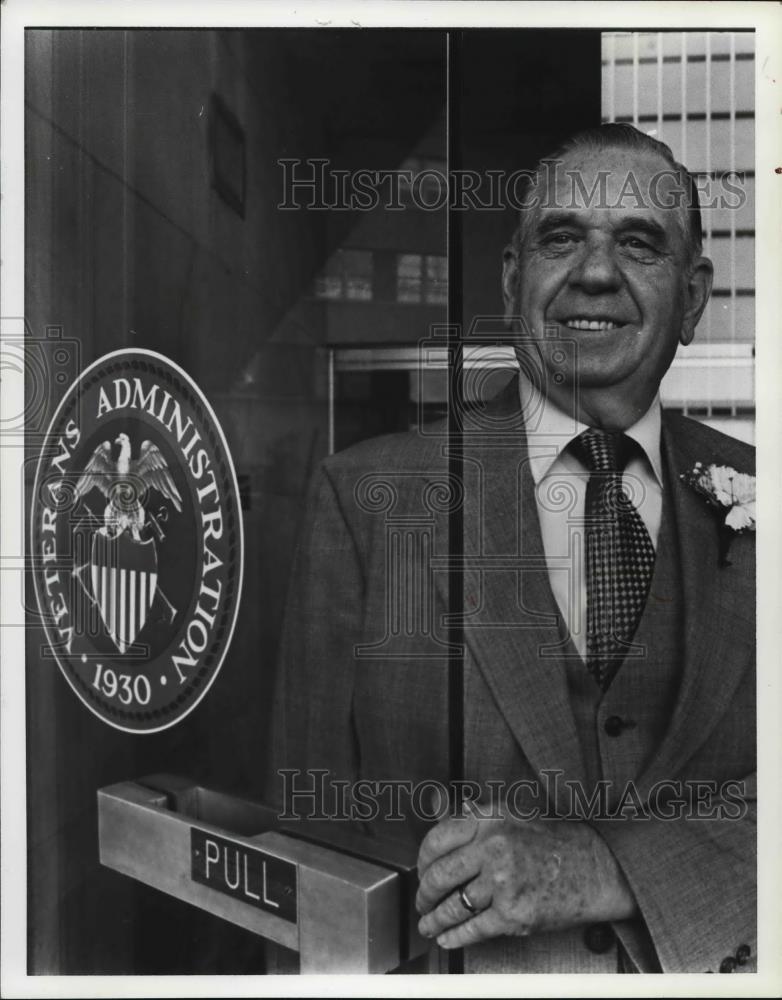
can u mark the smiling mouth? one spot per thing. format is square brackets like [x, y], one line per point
[584, 323]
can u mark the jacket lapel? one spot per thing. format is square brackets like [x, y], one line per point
[511, 617]
[716, 601]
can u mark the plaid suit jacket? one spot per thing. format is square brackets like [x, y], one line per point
[362, 683]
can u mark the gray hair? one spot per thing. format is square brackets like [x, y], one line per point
[620, 135]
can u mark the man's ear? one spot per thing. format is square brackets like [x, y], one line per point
[698, 292]
[510, 282]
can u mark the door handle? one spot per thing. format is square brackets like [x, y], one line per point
[343, 901]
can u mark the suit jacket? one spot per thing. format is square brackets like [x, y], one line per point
[363, 674]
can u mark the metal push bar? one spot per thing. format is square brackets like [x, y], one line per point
[343, 901]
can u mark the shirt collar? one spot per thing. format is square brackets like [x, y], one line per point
[550, 430]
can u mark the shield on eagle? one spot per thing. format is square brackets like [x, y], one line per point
[124, 581]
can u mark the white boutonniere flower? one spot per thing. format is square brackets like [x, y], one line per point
[728, 491]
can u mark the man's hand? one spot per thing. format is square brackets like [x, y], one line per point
[524, 877]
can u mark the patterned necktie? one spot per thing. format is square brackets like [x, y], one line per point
[619, 553]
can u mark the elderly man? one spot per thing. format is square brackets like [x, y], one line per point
[609, 686]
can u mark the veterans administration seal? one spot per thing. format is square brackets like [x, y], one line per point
[137, 541]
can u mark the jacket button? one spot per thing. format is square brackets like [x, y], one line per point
[613, 725]
[599, 938]
[728, 964]
[742, 954]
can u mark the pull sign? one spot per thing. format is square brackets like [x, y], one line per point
[245, 873]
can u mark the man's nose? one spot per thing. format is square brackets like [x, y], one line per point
[596, 269]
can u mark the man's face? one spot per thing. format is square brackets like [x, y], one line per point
[610, 275]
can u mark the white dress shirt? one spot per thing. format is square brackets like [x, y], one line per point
[560, 491]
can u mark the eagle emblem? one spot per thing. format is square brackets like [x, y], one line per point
[123, 562]
[125, 483]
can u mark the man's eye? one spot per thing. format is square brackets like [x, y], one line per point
[559, 239]
[636, 243]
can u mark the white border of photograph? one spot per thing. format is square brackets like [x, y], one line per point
[766, 19]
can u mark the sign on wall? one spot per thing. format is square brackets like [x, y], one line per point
[137, 541]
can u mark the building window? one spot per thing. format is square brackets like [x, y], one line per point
[695, 91]
[408, 277]
[421, 278]
[346, 275]
[436, 285]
